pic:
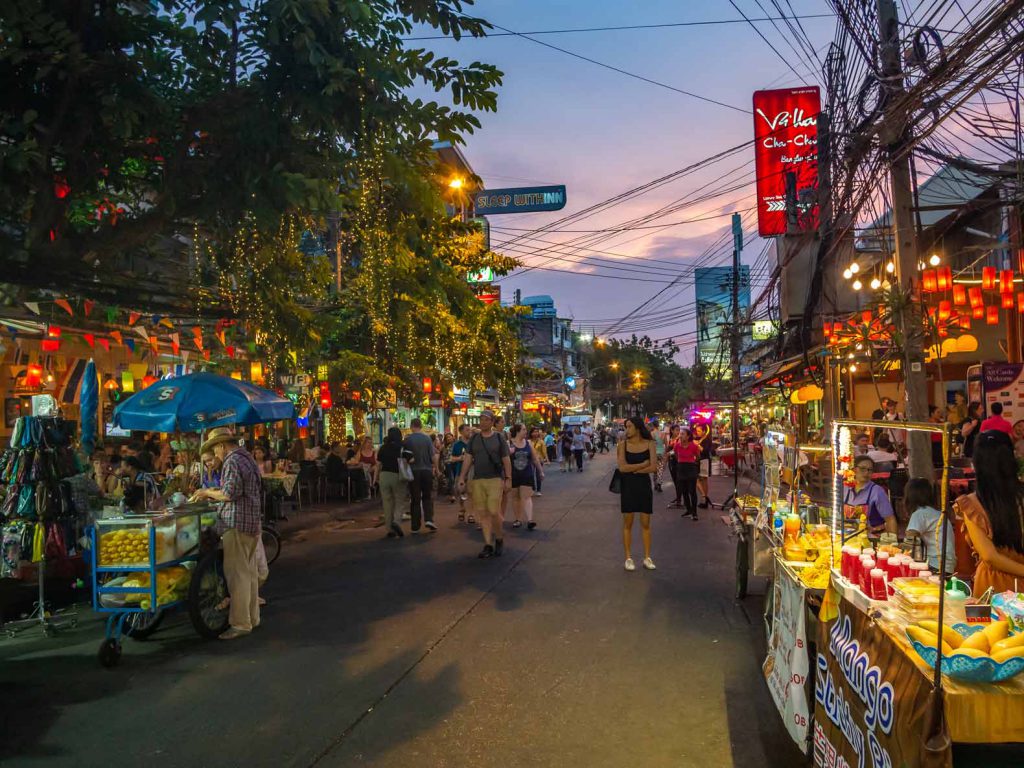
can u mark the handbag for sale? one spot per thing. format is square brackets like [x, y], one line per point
[615, 486]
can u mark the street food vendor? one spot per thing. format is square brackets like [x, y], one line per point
[867, 498]
[140, 489]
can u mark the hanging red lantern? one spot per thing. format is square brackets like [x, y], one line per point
[33, 376]
[959, 295]
[827, 328]
[944, 278]
[964, 321]
[428, 386]
[1007, 300]
[992, 315]
[975, 297]
[1006, 281]
[325, 396]
[929, 281]
[978, 312]
[1020, 302]
[61, 189]
[50, 345]
[943, 331]
[988, 278]
[866, 317]
[944, 310]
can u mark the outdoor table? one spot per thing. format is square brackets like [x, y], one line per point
[284, 480]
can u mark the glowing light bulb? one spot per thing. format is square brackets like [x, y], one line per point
[855, 268]
[853, 369]
[935, 260]
[859, 346]
[876, 284]
[890, 267]
[857, 285]
[850, 356]
[847, 274]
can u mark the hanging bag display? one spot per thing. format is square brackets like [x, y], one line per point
[27, 502]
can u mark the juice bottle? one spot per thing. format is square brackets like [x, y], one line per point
[791, 528]
[878, 585]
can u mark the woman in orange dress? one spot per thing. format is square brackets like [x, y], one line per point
[994, 515]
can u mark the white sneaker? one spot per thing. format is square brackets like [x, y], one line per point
[649, 564]
[630, 565]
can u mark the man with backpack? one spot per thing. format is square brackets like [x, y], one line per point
[488, 456]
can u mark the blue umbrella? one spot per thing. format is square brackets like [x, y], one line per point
[88, 401]
[198, 402]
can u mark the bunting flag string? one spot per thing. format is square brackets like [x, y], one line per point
[87, 305]
[111, 314]
[33, 307]
[90, 340]
[105, 343]
[130, 343]
[141, 330]
[63, 304]
[133, 317]
[116, 336]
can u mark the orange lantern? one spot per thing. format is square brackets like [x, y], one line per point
[1020, 302]
[1006, 281]
[428, 386]
[992, 315]
[828, 329]
[959, 295]
[944, 310]
[944, 278]
[33, 376]
[1007, 299]
[988, 278]
[943, 331]
[49, 345]
[978, 312]
[929, 281]
[964, 321]
[325, 396]
[975, 297]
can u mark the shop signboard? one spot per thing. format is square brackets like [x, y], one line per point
[785, 668]
[485, 275]
[1004, 383]
[713, 293]
[871, 702]
[786, 153]
[762, 330]
[519, 200]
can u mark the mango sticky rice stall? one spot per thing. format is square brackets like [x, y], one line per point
[146, 565]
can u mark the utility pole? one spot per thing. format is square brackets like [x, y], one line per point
[894, 133]
[737, 248]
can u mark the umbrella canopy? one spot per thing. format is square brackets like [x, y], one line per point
[198, 402]
[88, 401]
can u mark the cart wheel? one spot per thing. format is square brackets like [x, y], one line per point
[271, 544]
[208, 589]
[742, 567]
[139, 626]
[110, 653]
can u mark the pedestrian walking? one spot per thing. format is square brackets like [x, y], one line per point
[637, 461]
[458, 451]
[687, 460]
[392, 487]
[550, 446]
[579, 446]
[240, 496]
[421, 487]
[487, 457]
[526, 470]
[565, 443]
[540, 452]
[702, 437]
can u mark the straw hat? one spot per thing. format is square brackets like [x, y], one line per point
[218, 435]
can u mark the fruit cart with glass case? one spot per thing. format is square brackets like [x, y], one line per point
[149, 564]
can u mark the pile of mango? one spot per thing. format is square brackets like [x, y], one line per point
[817, 576]
[993, 642]
[171, 585]
[124, 547]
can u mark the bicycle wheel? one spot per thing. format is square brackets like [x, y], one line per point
[139, 626]
[271, 544]
[207, 591]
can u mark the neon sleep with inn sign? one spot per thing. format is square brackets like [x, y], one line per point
[786, 152]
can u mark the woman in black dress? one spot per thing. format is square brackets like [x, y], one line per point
[638, 460]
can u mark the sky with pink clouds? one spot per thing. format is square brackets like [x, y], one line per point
[562, 120]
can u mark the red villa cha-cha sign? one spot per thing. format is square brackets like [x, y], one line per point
[786, 142]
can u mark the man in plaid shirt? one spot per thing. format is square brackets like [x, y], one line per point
[241, 497]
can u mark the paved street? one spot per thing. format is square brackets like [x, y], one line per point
[415, 653]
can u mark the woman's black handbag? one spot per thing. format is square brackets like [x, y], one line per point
[615, 486]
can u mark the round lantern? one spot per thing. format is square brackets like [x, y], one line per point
[967, 343]
[794, 397]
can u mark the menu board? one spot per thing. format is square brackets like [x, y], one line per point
[1004, 383]
[785, 669]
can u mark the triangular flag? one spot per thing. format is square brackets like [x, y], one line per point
[220, 337]
[230, 351]
[141, 330]
[130, 343]
[87, 305]
[33, 307]
[156, 319]
[105, 343]
[166, 321]
[111, 314]
[89, 339]
[199, 342]
[206, 354]
[197, 330]
[175, 347]
[184, 357]
[252, 347]
[63, 304]
[116, 336]
[154, 345]
[133, 317]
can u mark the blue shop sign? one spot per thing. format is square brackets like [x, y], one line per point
[519, 200]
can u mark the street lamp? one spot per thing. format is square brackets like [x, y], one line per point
[455, 183]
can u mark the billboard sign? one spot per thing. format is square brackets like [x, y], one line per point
[713, 292]
[786, 152]
[519, 200]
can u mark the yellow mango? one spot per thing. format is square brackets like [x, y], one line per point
[1014, 641]
[928, 639]
[974, 653]
[949, 635]
[978, 641]
[996, 631]
[1008, 653]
